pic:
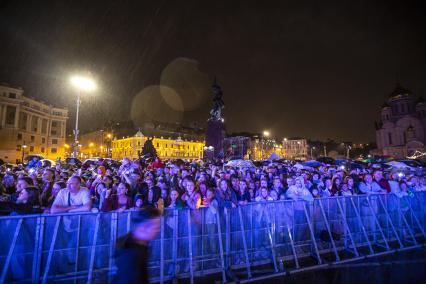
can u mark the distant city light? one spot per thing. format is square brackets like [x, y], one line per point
[266, 133]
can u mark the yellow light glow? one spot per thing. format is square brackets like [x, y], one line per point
[67, 146]
[266, 133]
[91, 144]
[83, 83]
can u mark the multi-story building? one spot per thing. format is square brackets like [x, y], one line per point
[29, 127]
[295, 148]
[401, 130]
[131, 147]
[251, 146]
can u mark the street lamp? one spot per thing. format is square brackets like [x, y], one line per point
[23, 152]
[265, 134]
[312, 156]
[82, 84]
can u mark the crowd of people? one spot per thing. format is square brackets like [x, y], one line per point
[133, 184]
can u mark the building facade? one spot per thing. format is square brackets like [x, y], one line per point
[30, 127]
[95, 144]
[295, 148]
[401, 129]
[131, 147]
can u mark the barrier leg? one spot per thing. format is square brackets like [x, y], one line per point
[162, 250]
[271, 241]
[243, 235]
[128, 222]
[328, 230]
[51, 248]
[191, 270]
[312, 234]
[345, 223]
[222, 259]
[417, 220]
[175, 242]
[377, 223]
[402, 214]
[364, 231]
[112, 241]
[11, 249]
[77, 247]
[39, 252]
[293, 248]
[390, 222]
[93, 250]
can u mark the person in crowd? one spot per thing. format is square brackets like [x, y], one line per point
[382, 182]
[225, 196]
[57, 186]
[47, 181]
[243, 196]
[27, 202]
[73, 198]
[151, 193]
[191, 197]
[21, 184]
[299, 191]
[118, 202]
[369, 186]
[174, 201]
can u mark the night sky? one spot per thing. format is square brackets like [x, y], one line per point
[316, 69]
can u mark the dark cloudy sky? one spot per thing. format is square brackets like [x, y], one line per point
[317, 69]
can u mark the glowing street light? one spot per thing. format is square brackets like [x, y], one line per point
[266, 133]
[82, 84]
[23, 152]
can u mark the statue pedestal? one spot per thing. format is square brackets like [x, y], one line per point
[214, 139]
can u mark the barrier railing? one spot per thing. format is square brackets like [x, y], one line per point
[283, 235]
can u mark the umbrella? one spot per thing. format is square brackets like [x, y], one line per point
[312, 164]
[240, 164]
[299, 166]
[273, 157]
[326, 160]
[398, 165]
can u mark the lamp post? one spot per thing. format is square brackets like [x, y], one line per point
[265, 134]
[109, 144]
[312, 156]
[23, 152]
[82, 84]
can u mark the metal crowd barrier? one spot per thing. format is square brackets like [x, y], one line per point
[282, 236]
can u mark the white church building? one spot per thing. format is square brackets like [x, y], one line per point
[402, 127]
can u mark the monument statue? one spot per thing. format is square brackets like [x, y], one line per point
[218, 104]
[215, 126]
